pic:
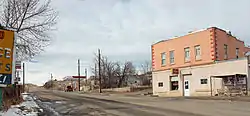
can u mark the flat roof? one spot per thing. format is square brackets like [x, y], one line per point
[192, 32]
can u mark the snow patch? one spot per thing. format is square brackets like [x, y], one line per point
[59, 102]
[27, 108]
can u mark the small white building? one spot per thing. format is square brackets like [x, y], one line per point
[205, 80]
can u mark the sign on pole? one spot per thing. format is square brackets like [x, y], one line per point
[18, 65]
[6, 56]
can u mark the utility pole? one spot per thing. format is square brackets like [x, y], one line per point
[95, 75]
[99, 65]
[23, 77]
[79, 74]
[51, 77]
[86, 76]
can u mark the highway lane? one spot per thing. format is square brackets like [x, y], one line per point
[68, 104]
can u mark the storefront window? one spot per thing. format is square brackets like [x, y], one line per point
[174, 83]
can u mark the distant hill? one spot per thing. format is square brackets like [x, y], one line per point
[30, 85]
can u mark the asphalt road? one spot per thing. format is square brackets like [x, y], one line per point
[74, 104]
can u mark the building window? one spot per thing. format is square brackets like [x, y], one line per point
[163, 58]
[187, 54]
[237, 53]
[174, 83]
[171, 56]
[226, 51]
[160, 84]
[203, 81]
[197, 52]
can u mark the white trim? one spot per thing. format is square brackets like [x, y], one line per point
[3, 85]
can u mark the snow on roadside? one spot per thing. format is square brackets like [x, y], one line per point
[27, 108]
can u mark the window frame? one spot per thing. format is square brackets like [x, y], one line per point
[171, 57]
[196, 49]
[171, 83]
[187, 49]
[225, 51]
[237, 52]
[163, 59]
[160, 84]
[203, 81]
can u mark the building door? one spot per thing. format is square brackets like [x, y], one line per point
[186, 88]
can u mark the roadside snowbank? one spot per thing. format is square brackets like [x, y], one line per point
[27, 108]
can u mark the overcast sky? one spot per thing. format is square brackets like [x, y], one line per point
[125, 29]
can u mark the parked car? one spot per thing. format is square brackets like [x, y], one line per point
[69, 89]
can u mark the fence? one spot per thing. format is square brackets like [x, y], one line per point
[10, 96]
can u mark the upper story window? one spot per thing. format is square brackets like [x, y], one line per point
[187, 54]
[171, 56]
[197, 52]
[163, 58]
[237, 52]
[225, 51]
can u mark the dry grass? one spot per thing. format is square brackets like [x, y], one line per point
[7, 103]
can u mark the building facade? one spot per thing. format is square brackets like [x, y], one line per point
[182, 66]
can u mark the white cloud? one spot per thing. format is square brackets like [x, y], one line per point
[125, 29]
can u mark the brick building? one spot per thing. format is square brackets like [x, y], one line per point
[175, 62]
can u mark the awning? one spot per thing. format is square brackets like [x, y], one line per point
[174, 78]
[227, 75]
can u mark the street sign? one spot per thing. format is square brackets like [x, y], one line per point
[17, 79]
[79, 76]
[6, 56]
[6, 51]
[5, 79]
[18, 65]
[175, 71]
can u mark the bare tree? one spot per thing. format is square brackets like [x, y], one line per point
[114, 74]
[110, 70]
[146, 75]
[107, 71]
[32, 20]
[146, 67]
[1, 27]
[124, 72]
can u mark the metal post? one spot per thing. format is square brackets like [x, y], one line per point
[79, 73]
[23, 77]
[51, 77]
[211, 89]
[246, 86]
[99, 65]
